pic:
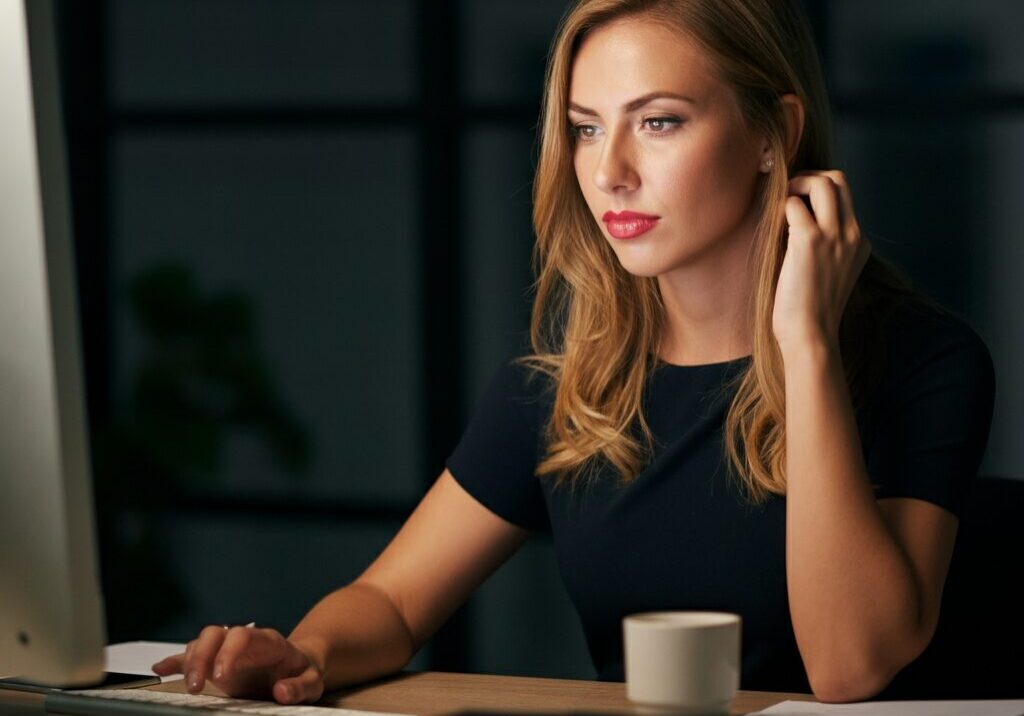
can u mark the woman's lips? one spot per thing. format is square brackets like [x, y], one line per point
[627, 224]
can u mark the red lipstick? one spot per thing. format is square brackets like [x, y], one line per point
[628, 224]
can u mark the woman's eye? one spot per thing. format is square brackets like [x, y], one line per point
[655, 125]
[661, 125]
[584, 131]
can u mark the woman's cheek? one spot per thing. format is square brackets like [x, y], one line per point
[676, 180]
[584, 175]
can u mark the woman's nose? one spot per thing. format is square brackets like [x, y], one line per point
[615, 170]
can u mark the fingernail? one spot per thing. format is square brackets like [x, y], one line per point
[218, 671]
[289, 692]
[193, 679]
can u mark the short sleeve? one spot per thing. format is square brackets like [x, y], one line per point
[933, 422]
[499, 450]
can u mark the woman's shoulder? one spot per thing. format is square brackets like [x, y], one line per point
[926, 346]
[530, 379]
[919, 332]
[522, 382]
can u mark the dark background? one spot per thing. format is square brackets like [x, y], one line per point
[304, 236]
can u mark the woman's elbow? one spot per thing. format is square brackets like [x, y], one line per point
[849, 685]
[864, 676]
[860, 679]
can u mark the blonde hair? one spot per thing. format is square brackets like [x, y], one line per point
[596, 329]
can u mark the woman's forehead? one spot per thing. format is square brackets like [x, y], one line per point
[625, 58]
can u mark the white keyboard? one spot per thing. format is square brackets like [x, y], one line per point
[144, 702]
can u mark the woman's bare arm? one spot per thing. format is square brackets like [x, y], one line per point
[373, 626]
[865, 576]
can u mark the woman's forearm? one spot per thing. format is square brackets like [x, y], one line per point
[354, 634]
[853, 597]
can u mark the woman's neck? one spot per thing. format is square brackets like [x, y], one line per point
[708, 306]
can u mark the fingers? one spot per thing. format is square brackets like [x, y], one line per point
[170, 665]
[199, 659]
[246, 661]
[824, 201]
[799, 216]
[235, 642]
[174, 664]
[307, 687]
[248, 647]
[845, 196]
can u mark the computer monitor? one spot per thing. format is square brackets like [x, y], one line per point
[51, 613]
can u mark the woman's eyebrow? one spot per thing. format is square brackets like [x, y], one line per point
[634, 104]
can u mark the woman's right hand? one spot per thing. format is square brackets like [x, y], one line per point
[247, 662]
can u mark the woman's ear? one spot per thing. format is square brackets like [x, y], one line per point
[793, 111]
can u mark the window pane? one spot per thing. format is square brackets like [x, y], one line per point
[498, 244]
[505, 45]
[234, 571]
[878, 44]
[910, 181]
[250, 52]
[527, 625]
[942, 200]
[318, 233]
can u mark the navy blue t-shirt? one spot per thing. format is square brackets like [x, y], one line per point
[682, 536]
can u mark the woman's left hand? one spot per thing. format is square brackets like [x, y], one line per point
[824, 257]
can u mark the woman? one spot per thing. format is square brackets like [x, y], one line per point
[729, 403]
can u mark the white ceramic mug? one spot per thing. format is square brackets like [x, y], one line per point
[689, 661]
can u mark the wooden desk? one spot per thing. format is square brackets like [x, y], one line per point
[436, 692]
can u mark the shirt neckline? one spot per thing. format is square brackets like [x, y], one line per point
[699, 366]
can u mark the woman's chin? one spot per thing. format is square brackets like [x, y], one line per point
[640, 265]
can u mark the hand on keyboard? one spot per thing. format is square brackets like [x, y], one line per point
[247, 662]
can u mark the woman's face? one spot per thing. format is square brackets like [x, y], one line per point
[691, 163]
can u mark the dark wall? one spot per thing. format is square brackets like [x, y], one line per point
[304, 243]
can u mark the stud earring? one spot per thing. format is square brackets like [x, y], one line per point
[768, 164]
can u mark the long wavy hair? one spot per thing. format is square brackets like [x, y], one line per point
[596, 329]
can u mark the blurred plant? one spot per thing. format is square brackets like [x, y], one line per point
[199, 376]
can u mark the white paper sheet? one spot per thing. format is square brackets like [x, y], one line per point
[898, 708]
[137, 657]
